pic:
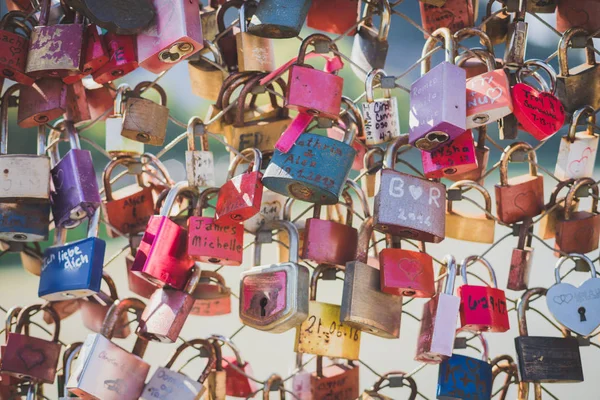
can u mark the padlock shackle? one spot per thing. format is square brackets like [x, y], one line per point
[269, 383]
[481, 54]
[191, 134]
[470, 32]
[484, 344]
[473, 185]
[4, 116]
[370, 155]
[230, 85]
[562, 260]
[252, 152]
[391, 153]
[249, 86]
[370, 83]
[356, 119]
[525, 236]
[563, 46]
[385, 12]
[535, 64]
[557, 189]
[94, 224]
[178, 189]
[212, 358]
[115, 313]
[314, 279]
[55, 135]
[571, 196]
[158, 164]
[193, 280]
[505, 159]
[448, 268]
[315, 37]
[586, 111]
[481, 137]
[364, 238]
[203, 200]
[11, 314]
[449, 48]
[112, 287]
[109, 169]
[465, 263]
[210, 47]
[223, 8]
[293, 239]
[409, 379]
[44, 12]
[70, 353]
[236, 351]
[523, 304]
[119, 99]
[23, 318]
[362, 198]
[145, 85]
[32, 391]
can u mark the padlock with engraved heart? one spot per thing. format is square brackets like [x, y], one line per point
[577, 151]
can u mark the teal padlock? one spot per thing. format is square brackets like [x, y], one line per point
[314, 170]
[279, 19]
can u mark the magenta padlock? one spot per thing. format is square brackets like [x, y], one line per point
[310, 90]
[454, 158]
[76, 195]
[168, 309]
[174, 35]
[438, 100]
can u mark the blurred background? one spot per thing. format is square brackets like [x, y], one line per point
[273, 353]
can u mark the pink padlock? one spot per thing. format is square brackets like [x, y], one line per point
[318, 93]
[456, 157]
[351, 120]
[174, 35]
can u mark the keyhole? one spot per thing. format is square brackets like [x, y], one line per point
[581, 311]
[263, 306]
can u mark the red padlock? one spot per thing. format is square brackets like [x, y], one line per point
[94, 57]
[14, 47]
[406, 272]
[122, 58]
[100, 101]
[137, 284]
[41, 103]
[237, 384]
[241, 196]
[318, 93]
[449, 159]
[162, 256]
[482, 308]
[334, 16]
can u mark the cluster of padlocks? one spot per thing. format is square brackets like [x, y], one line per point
[64, 56]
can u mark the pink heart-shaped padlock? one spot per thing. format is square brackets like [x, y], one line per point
[540, 113]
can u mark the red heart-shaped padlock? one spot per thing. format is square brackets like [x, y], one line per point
[540, 113]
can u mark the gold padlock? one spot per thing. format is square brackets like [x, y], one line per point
[144, 120]
[471, 228]
[254, 53]
[207, 76]
[216, 383]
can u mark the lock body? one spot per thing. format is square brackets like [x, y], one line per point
[454, 158]
[214, 243]
[462, 377]
[483, 308]
[41, 102]
[406, 273]
[548, 359]
[437, 331]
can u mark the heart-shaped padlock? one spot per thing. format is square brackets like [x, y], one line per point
[576, 308]
[540, 113]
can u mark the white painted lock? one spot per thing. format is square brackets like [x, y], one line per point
[199, 164]
[577, 151]
[381, 120]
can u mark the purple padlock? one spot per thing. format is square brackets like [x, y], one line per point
[438, 99]
[75, 194]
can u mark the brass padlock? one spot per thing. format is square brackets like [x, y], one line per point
[554, 208]
[471, 228]
[144, 120]
[207, 76]
[254, 53]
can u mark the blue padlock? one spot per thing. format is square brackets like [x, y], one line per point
[73, 270]
[466, 378]
[314, 170]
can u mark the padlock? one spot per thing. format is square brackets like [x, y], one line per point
[335, 381]
[216, 382]
[541, 114]
[42, 102]
[312, 91]
[25, 187]
[577, 151]
[520, 197]
[438, 322]
[271, 209]
[545, 359]
[212, 296]
[69, 355]
[95, 308]
[116, 144]
[364, 305]
[226, 36]
[505, 364]
[274, 297]
[576, 87]
[248, 130]
[370, 46]
[482, 155]
[472, 61]
[144, 120]
[351, 119]
[15, 31]
[394, 379]
[31, 256]
[30, 357]
[405, 272]
[279, 19]
[275, 383]
[167, 310]
[129, 209]
[323, 333]
[237, 371]
[301, 381]
[64, 309]
[521, 258]
[77, 105]
[381, 120]
[579, 231]
[451, 158]
[482, 308]
[438, 99]
[334, 16]
[174, 35]
[454, 15]
[516, 38]
[127, 17]
[541, 6]
[496, 26]
[94, 57]
[368, 181]
[123, 57]
[162, 255]
[207, 76]
[100, 100]
[283, 238]
[208, 21]
[472, 228]
[136, 283]
[463, 378]
[106, 371]
[553, 209]
[12, 316]
[577, 15]
[420, 216]
[240, 197]
[56, 50]
[254, 53]
[73, 270]
[199, 164]
[76, 195]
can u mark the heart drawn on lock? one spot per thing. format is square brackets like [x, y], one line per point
[524, 201]
[415, 191]
[32, 357]
[577, 16]
[59, 178]
[576, 308]
[411, 268]
[540, 113]
[579, 165]
[15, 50]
